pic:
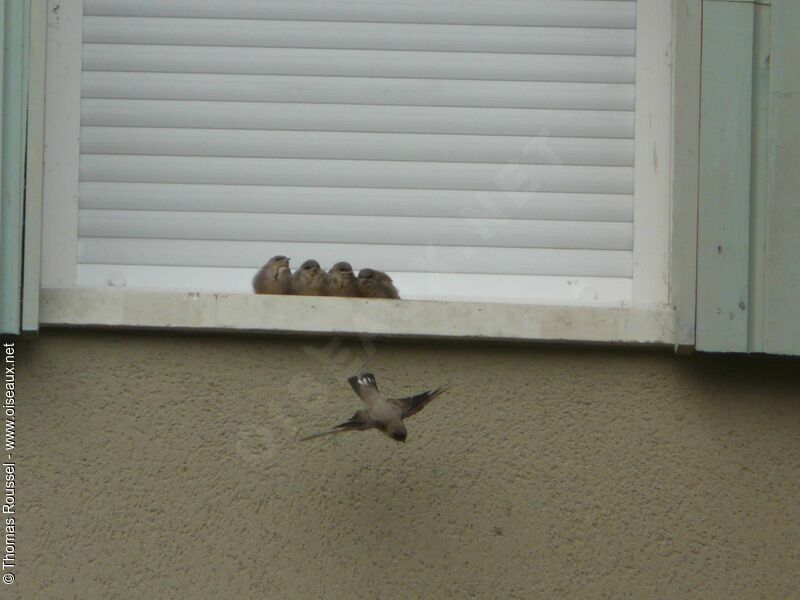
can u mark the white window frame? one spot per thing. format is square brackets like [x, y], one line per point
[649, 318]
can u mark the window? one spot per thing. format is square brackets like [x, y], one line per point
[491, 151]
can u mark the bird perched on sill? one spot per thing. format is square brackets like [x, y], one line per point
[376, 284]
[342, 281]
[384, 414]
[273, 277]
[308, 280]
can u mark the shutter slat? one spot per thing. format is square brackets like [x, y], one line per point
[355, 146]
[358, 90]
[357, 201]
[474, 287]
[345, 173]
[362, 36]
[347, 117]
[547, 13]
[440, 259]
[360, 63]
[356, 229]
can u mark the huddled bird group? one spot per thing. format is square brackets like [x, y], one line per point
[276, 277]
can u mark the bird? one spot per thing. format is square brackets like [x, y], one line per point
[376, 284]
[342, 281]
[384, 414]
[308, 280]
[273, 277]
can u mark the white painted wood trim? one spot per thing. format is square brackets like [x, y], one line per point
[62, 135]
[653, 157]
[356, 317]
[687, 35]
[34, 167]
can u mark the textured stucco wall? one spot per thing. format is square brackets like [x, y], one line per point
[166, 466]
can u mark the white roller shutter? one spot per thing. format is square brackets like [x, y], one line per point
[475, 149]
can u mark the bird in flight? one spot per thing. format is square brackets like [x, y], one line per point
[384, 414]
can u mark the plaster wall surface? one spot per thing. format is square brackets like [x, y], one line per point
[163, 465]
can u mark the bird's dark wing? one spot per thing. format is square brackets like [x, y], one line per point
[358, 422]
[365, 386]
[413, 404]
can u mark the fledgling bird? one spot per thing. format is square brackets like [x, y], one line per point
[342, 281]
[376, 284]
[308, 280]
[273, 277]
[384, 414]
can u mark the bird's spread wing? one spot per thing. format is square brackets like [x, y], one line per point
[364, 385]
[358, 422]
[413, 404]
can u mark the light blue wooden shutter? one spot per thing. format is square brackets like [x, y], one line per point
[781, 230]
[13, 50]
[749, 219]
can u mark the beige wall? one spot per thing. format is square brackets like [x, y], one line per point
[166, 465]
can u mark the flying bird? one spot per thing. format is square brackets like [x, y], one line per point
[376, 284]
[342, 281]
[308, 280]
[384, 414]
[273, 277]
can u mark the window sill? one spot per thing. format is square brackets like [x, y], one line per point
[343, 316]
